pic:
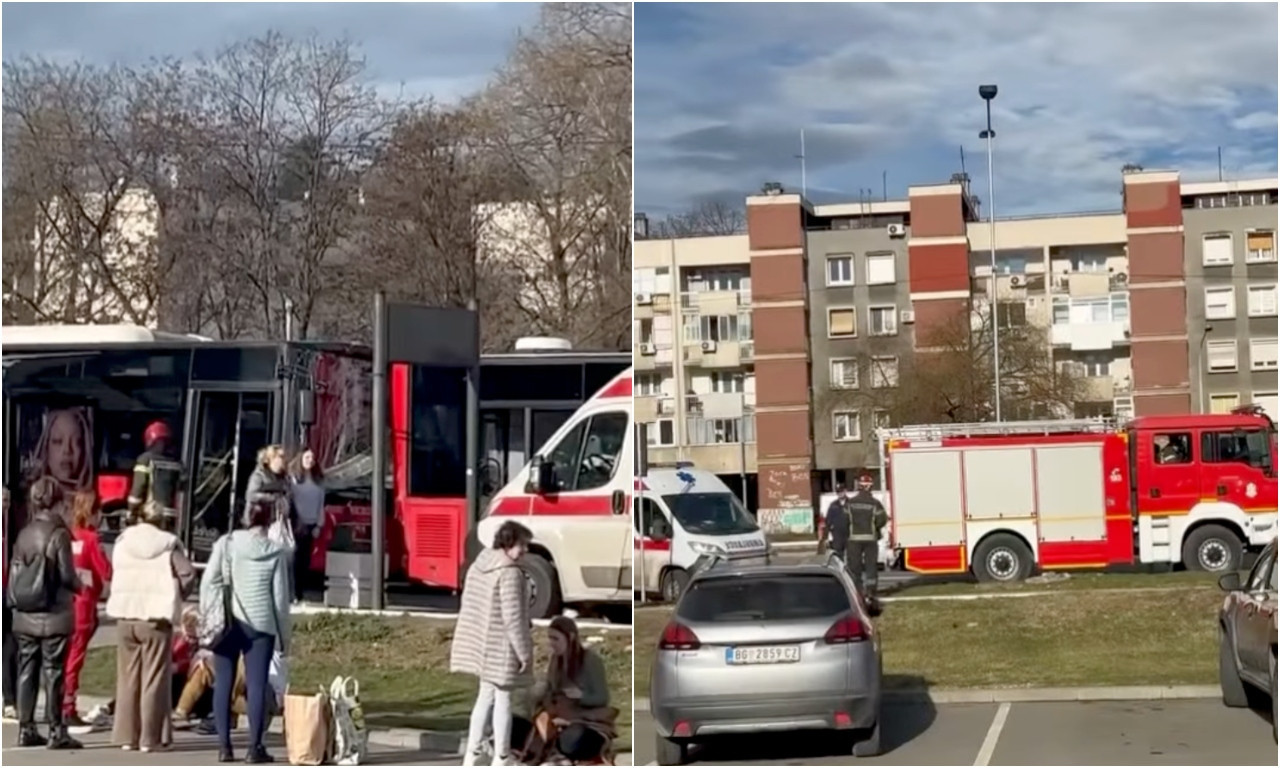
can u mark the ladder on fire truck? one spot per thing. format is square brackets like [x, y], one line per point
[933, 432]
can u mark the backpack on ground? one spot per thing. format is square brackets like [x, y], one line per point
[31, 589]
[350, 733]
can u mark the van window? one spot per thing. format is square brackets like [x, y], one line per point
[649, 517]
[712, 514]
[1172, 447]
[586, 457]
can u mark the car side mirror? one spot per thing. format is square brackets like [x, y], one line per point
[1229, 582]
[542, 477]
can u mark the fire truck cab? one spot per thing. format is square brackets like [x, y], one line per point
[575, 497]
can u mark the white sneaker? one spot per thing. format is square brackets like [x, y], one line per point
[11, 713]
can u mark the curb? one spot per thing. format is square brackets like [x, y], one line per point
[1026, 695]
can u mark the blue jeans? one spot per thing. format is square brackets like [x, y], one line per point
[256, 647]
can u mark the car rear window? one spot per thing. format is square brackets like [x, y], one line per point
[764, 598]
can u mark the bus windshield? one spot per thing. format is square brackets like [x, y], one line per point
[712, 513]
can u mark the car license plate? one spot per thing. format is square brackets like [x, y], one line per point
[762, 654]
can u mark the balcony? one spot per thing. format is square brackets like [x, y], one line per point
[715, 302]
[1089, 284]
[1085, 324]
[714, 354]
[646, 409]
[716, 405]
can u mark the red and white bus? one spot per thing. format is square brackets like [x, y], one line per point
[77, 398]
[1002, 499]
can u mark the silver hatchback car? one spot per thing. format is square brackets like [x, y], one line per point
[753, 648]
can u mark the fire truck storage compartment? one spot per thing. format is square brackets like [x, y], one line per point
[928, 505]
[1070, 493]
[998, 483]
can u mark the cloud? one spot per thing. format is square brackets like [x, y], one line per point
[723, 90]
[445, 50]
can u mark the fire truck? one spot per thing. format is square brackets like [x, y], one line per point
[77, 398]
[1000, 500]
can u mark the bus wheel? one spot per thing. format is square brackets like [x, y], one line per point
[544, 587]
[674, 582]
[1002, 557]
[1212, 548]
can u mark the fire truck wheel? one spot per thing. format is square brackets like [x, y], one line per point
[544, 587]
[674, 582]
[1233, 691]
[1002, 557]
[1212, 548]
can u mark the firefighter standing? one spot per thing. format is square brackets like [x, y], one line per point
[156, 473]
[837, 523]
[867, 519]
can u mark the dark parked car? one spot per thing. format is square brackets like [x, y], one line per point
[1247, 633]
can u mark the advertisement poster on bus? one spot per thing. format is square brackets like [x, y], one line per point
[56, 442]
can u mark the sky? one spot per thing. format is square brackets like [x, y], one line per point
[723, 90]
[443, 50]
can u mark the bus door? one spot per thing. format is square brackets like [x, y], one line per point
[226, 428]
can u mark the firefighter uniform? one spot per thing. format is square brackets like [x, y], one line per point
[867, 519]
[155, 478]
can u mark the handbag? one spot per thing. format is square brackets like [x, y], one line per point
[215, 620]
[350, 733]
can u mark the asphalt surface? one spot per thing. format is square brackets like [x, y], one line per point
[188, 749]
[1186, 732]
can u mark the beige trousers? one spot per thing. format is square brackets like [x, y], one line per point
[144, 684]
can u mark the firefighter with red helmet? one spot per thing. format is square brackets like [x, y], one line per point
[867, 519]
[156, 474]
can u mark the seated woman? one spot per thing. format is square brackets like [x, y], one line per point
[572, 715]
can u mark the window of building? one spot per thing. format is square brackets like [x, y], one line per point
[1217, 249]
[844, 373]
[1119, 307]
[1096, 365]
[1013, 314]
[884, 372]
[744, 325]
[842, 321]
[1221, 355]
[846, 426]
[662, 433]
[1061, 310]
[1262, 354]
[719, 328]
[1262, 300]
[727, 382]
[1260, 246]
[1088, 262]
[648, 384]
[884, 320]
[880, 269]
[881, 417]
[840, 269]
[1223, 402]
[718, 279]
[1220, 303]
[1268, 402]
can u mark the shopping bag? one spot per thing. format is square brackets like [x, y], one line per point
[281, 533]
[278, 675]
[307, 728]
[350, 733]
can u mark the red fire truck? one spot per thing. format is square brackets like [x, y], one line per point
[1002, 499]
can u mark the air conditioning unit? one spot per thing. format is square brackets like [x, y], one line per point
[648, 349]
[708, 346]
[908, 316]
[644, 298]
[897, 230]
[1016, 281]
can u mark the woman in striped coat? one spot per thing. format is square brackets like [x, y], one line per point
[493, 639]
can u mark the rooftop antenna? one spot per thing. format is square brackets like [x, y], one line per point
[804, 181]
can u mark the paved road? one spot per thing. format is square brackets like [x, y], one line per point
[1188, 732]
[188, 749]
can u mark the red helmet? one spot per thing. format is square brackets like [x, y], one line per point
[865, 482]
[155, 432]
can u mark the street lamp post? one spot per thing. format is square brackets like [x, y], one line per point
[1203, 365]
[988, 92]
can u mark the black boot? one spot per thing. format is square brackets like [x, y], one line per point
[60, 739]
[28, 736]
[258, 755]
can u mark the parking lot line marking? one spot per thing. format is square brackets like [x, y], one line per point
[993, 735]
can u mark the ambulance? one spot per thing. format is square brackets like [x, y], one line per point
[575, 495]
[683, 514]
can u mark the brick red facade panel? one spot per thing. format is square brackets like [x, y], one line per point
[779, 330]
[1161, 405]
[1158, 312]
[777, 278]
[937, 216]
[937, 319]
[785, 486]
[1159, 364]
[936, 268]
[782, 382]
[1156, 257]
[1153, 204]
[774, 226]
[783, 434]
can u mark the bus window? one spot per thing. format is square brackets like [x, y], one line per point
[438, 433]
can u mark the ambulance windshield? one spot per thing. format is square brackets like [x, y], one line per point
[711, 513]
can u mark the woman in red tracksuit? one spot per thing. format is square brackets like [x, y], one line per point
[95, 573]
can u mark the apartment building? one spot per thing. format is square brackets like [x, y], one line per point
[832, 301]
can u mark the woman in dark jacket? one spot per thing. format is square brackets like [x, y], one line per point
[269, 481]
[43, 633]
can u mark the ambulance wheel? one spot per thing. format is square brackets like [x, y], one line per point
[1212, 548]
[673, 585]
[544, 587]
[1002, 557]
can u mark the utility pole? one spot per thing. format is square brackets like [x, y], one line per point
[988, 92]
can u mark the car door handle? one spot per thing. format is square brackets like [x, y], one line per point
[1155, 493]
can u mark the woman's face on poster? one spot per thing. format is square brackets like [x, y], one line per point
[66, 448]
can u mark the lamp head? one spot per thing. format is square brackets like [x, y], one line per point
[987, 92]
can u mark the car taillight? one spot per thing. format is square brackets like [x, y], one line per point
[678, 637]
[847, 630]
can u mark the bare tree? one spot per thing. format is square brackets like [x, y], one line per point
[711, 217]
[952, 379]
